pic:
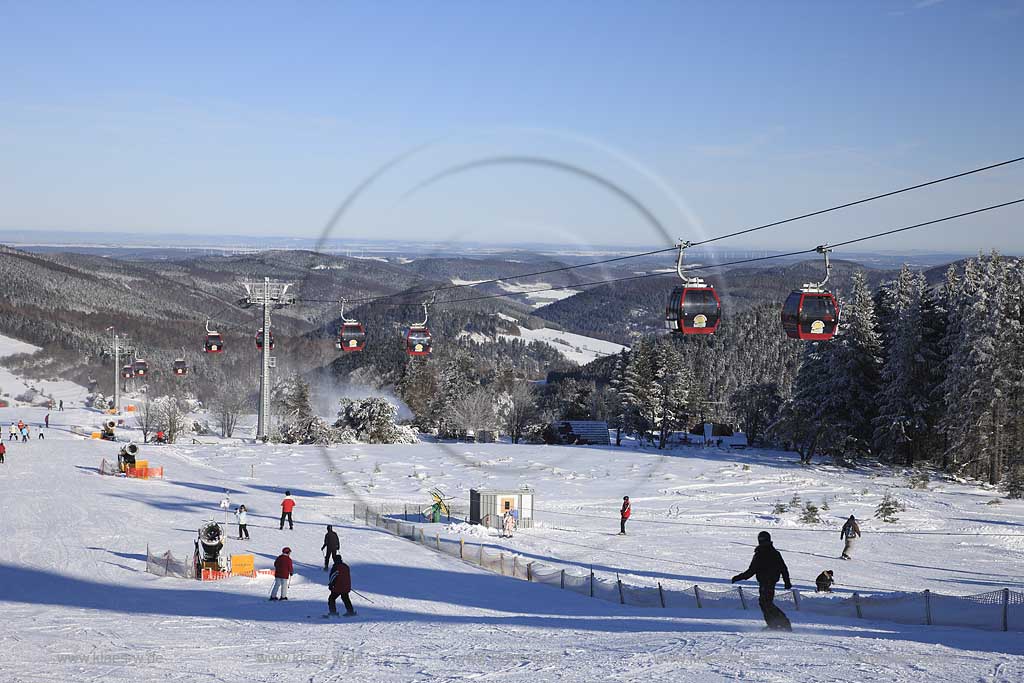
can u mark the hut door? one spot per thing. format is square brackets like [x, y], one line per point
[506, 505]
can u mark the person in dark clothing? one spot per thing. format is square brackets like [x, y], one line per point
[849, 533]
[61, 406]
[340, 584]
[768, 565]
[331, 544]
[823, 584]
[624, 515]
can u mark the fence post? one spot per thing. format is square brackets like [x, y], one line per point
[796, 599]
[856, 602]
[405, 515]
[622, 598]
[529, 571]
[661, 595]
[743, 598]
[591, 581]
[480, 548]
[696, 594]
[437, 540]
[562, 583]
[423, 537]
[1006, 609]
[927, 607]
[514, 558]
[462, 548]
[501, 563]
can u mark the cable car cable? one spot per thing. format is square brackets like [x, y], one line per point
[784, 221]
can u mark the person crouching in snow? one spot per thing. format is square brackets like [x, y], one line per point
[340, 584]
[823, 584]
[283, 570]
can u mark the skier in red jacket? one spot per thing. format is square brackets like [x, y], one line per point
[287, 505]
[340, 585]
[624, 515]
[283, 570]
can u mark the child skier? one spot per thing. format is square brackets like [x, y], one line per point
[332, 544]
[283, 570]
[340, 584]
[3, 452]
[243, 522]
[624, 515]
[287, 505]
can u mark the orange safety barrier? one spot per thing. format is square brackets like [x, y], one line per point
[145, 472]
[214, 575]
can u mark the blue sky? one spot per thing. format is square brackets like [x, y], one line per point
[260, 118]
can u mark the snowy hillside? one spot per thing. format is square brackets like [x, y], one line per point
[79, 605]
[574, 347]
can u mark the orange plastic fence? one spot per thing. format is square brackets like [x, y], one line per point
[214, 575]
[145, 472]
[217, 575]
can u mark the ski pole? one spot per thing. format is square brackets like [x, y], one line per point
[364, 597]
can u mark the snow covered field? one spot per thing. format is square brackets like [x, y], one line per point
[78, 605]
[574, 347]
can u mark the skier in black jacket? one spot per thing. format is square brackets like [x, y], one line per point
[768, 566]
[331, 544]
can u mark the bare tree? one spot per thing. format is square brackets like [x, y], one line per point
[173, 416]
[475, 411]
[229, 403]
[147, 417]
[520, 406]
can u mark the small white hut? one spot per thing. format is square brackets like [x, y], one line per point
[487, 506]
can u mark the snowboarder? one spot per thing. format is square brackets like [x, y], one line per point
[768, 565]
[60, 409]
[340, 583]
[287, 505]
[624, 515]
[3, 452]
[243, 522]
[850, 532]
[823, 584]
[332, 544]
[283, 570]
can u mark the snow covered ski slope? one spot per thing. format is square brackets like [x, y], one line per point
[78, 605]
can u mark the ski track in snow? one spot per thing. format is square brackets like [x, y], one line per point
[78, 605]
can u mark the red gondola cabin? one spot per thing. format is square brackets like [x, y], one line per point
[259, 339]
[693, 310]
[180, 368]
[214, 343]
[418, 341]
[810, 315]
[140, 367]
[351, 337]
